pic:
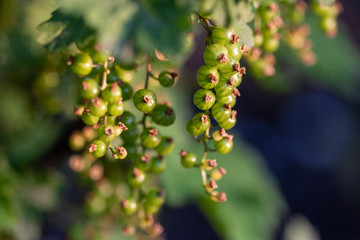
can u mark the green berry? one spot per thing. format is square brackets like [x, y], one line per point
[97, 148]
[145, 100]
[167, 79]
[156, 197]
[136, 177]
[126, 75]
[98, 107]
[106, 133]
[129, 206]
[116, 109]
[112, 93]
[231, 99]
[216, 55]
[225, 86]
[89, 88]
[81, 64]
[230, 67]
[234, 51]
[166, 146]
[163, 115]
[88, 118]
[129, 136]
[150, 138]
[158, 165]
[229, 122]
[127, 91]
[128, 119]
[121, 152]
[271, 44]
[225, 145]
[204, 99]
[201, 121]
[188, 160]
[142, 161]
[221, 112]
[224, 35]
[191, 129]
[207, 77]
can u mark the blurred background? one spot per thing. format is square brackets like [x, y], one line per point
[294, 174]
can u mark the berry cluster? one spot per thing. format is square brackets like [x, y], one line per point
[218, 79]
[113, 133]
[328, 15]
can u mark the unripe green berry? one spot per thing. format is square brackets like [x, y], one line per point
[97, 148]
[204, 99]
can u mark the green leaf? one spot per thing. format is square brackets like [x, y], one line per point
[244, 12]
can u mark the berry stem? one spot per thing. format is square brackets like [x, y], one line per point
[148, 72]
[104, 78]
[203, 159]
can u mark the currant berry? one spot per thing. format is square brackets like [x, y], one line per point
[150, 208]
[128, 119]
[98, 107]
[121, 152]
[156, 197]
[219, 134]
[127, 91]
[145, 100]
[204, 99]
[112, 93]
[129, 206]
[224, 35]
[143, 162]
[188, 160]
[209, 164]
[166, 146]
[130, 135]
[88, 118]
[167, 79]
[116, 109]
[97, 148]
[225, 145]
[136, 177]
[106, 133]
[230, 122]
[216, 55]
[150, 138]
[217, 174]
[201, 121]
[268, 10]
[163, 115]
[207, 77]
[231, 66]
[126, 75]
[234, 51]
[221, 112]
[89, 88]
[231, 99]
[158, 165]
[225, 86]
[271, 44]
[82, 64]
[191, 129]
[99, 56]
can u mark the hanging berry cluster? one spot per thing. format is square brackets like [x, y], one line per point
[218, 79]
[139, 152]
